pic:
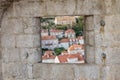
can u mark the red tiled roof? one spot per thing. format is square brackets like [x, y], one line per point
[48, 37]
[73, 39]
[55, 30]
[70, 31]
[64, 53]
[48, 52]
[63, 58]
[48, 55]
[75, 46]
[76, 56]
[64, 40]
[80, 37]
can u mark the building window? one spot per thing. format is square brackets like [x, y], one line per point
[62, 39]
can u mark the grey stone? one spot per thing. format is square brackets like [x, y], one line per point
[90, 55]
[28, 41]
[30, 55]
[10, 55]
[15, 24]
[8, 41]
[87, 72]
[15, 71]
[20, 32]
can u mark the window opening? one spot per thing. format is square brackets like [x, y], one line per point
[62, 39]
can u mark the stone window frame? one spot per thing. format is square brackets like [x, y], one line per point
[89, 44]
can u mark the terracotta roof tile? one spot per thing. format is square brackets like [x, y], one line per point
[70, 31]
[80, 37]
[64, 40]
[56, 30]
[48, 37]
[64, 53]
[63, 58]
[75, 46]
[48, 55]
[48, 52]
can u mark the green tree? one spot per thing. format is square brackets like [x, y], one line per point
[61, 27]
[59, 50]
[49, 22]
[78, 27]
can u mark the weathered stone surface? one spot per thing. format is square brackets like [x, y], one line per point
[115, 6]
[86, 72]
[70, 72]
[89, 23]
[60, 74]
[14, 71]
[40, 71]
[90, 55]
[1, 78]
[53, 72]
[44, 8]
[98, 38]
[7, 41]
[90, 39]
[31, 25]
[114, 70]
[28, 55]
[27, 41]
[20, 38]
[113, 56]
[15, 24]
[10, 55]
[30, 71]
[34, 56]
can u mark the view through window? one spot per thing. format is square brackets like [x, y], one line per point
[62, 39]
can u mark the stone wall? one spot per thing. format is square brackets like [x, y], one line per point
[20, 40]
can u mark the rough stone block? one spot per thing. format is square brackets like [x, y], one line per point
[86, 72]
[34, 56]
[30, 55]
[30, 71]
[15, 26]
[27, 41]
[113, 56]
[43, 8]
[42, 71]
[53, 72]
[66, 74]
[114, 70]
[89, 25]
[66, 7]
[11, 55]
[98, 53]
[1, 70]
[90, 38]
[15, 71]
[83, 8]
[24, 54]
[31, 25]
[8, 41]
[90, 54]
[115, 6]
